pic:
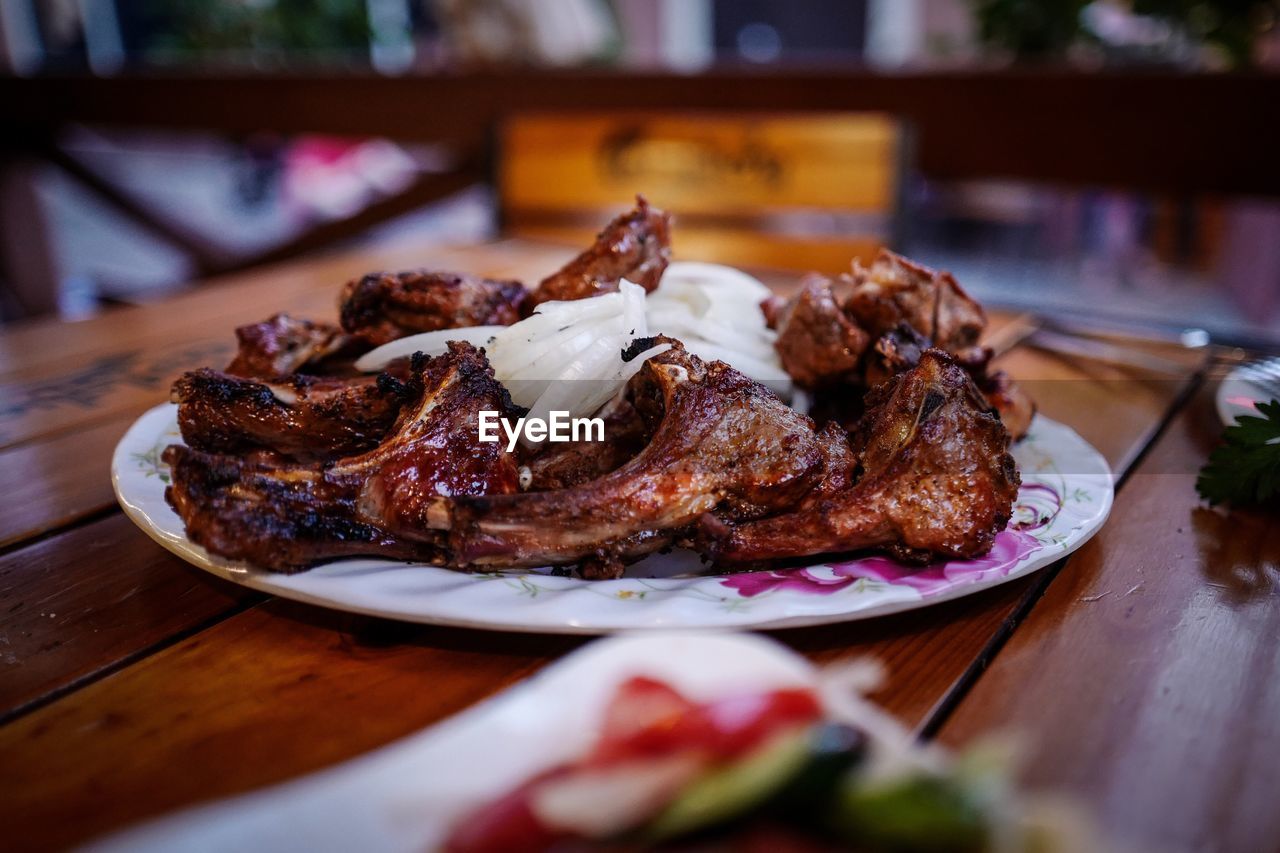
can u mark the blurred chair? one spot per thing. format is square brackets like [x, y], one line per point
[794, 192]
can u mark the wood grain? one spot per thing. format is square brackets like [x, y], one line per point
[55, 482]
[1146, 682]
[84, 601]
[287, 681]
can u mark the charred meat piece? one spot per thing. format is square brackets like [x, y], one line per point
[722, 443]
[305, 418]
[894, 352]
[894, 290]
[280, 517]
[635, 246]
[936, 479]
[388, 502]
[817, 343]
[567, 464]
[382, 307]
[282, 344]
[1010, 400]
[900, 350]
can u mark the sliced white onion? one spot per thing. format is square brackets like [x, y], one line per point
[715, 311]
[428, 343]
[704, 276]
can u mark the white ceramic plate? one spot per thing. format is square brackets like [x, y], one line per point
[1066, 494]
[405, 796]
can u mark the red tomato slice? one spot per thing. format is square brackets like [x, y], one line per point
[645, 719]
[741, 722]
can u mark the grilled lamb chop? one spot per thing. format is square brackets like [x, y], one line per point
[381, 307]
[388, 502]
[721, 442]
[936, 479]
[280, 517]
[635, 246]
[305, 418]
[282, 345]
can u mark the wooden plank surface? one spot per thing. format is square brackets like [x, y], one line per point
[77, 604]
[1147, 680]
[58, 481]
[281, 689]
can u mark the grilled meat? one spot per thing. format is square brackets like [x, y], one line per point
[302, 417]
[817, 342]
[281, 345]
[722, 443]
[381, 307]
[635, 246]
[899, 308]
[1010, 400]
[280, 517]
[894, 290]
[387, 502]
[936, 479]
[894, 352]
[572, 463]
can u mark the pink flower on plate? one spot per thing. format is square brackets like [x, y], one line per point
[1010, 547]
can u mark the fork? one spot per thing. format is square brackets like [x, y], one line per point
[1263, 375]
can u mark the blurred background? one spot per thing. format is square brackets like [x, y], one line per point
[1114, 159]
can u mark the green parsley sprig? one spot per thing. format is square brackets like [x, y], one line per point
[1245, 468]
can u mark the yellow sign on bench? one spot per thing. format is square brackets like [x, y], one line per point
[788, 191]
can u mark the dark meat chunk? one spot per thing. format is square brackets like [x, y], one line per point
[382, 307]
[302, 417]
[894, 352]
[936, 479]
[894, 290]
[900, 350]
[817, 343]
[635, 246]
[389, 502]
[724, 443]
[282, 345]
[566, 464]
[904, 308]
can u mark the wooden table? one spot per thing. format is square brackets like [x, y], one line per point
[1143, 672]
